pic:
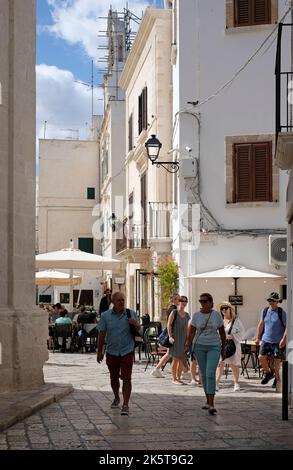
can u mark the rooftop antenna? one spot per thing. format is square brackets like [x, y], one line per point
[45, 128]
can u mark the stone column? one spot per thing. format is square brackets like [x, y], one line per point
[23, 326]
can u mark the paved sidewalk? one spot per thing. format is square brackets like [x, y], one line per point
[16, 406]
[162, 416]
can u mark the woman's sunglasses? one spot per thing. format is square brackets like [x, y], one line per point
[183, 301]
[225, 308]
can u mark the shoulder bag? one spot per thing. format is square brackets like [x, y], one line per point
[230, 346]
[164, 336]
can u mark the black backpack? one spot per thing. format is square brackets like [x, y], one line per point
[138, 339]
[280, 312]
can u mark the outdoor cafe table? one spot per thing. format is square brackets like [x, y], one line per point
[250, 349]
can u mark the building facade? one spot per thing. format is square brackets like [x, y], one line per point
[68, 194]
[284, 159]
[147, 228]
[223, 120]
[112, 145]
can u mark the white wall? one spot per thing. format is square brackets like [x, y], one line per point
[66, 169]
[208, 56]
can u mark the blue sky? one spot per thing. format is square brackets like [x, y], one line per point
[52, 50]
[67, 42]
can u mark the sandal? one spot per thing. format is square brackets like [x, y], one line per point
[212, 411]
[205, 407]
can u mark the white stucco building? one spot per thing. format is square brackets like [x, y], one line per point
[146, 79]
[68, 193]
[240, 190]
[112, 147]
[284, 159]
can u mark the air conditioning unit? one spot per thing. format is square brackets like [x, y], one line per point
[278, 249]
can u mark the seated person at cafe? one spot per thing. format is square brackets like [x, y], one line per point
[86, 317]
[53, 314]
[63, 320]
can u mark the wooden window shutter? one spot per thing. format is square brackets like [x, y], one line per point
[262, 11]
[262, 171]
[130, 140]
[143, 201]
[140, 125]
[252, 12]
[252, 169]
[86, 244]
[145, 108]
[241, 166]
[242, 12]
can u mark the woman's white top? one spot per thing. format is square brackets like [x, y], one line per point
[237, 332]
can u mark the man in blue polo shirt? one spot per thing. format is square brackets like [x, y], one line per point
[272, 331]
[119, 349]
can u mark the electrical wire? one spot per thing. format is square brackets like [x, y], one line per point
[236, 74]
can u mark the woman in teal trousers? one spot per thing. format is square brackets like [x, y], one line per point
[208, 345]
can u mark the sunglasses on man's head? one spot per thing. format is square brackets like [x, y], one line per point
[225, 308]
[203, 301]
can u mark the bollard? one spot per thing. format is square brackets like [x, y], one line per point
[285, 391]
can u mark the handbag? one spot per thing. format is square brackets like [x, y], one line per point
[138, 339]
[164, 336]
[230, 346]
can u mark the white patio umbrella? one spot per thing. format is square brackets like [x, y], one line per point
[55, 278]
[235, 272]
[71, 258]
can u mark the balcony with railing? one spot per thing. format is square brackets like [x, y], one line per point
[156, 233]
[284, 103]
[132, 239]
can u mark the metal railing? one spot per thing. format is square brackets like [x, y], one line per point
[160, 219]
[131, 236]
[284, 120]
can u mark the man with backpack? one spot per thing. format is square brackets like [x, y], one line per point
[271, 331]
[116, 324]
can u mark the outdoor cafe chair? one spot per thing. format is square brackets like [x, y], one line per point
[153, 350]
[87, 337]
[64, 332]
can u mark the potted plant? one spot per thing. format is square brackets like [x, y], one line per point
[167, 271]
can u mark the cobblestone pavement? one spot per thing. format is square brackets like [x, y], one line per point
[249, 419]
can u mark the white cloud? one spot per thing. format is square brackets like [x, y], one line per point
[63, 103]
[78, 22]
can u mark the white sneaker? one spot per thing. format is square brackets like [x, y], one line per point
[236, 388]
[156, 373]
[217, 387]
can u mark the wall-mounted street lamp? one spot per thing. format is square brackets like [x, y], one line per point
[153, 147]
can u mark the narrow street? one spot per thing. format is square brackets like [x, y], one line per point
[162, 416]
